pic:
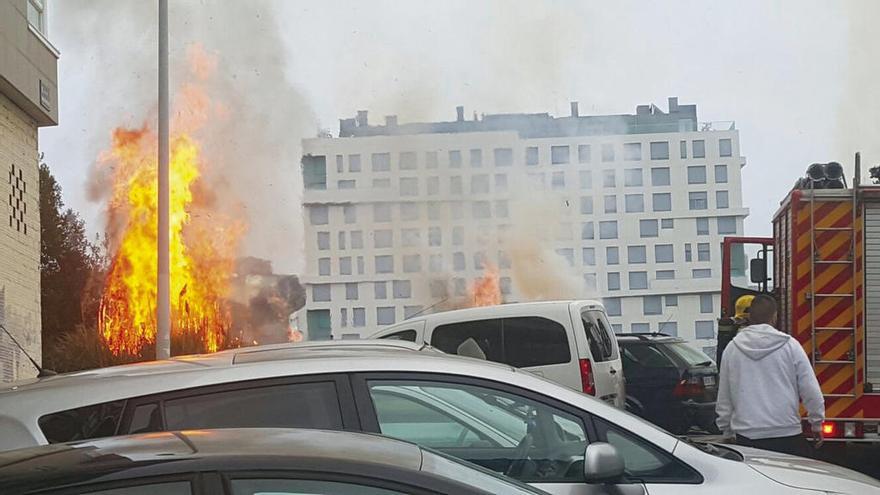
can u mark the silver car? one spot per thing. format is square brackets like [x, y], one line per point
[506, 420]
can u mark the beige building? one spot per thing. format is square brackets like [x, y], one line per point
[28, 101]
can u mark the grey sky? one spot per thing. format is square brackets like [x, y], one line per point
[795, 76]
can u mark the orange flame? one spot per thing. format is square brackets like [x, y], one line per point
[203, 242]
[486, 290]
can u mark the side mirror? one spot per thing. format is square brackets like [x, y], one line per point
[758, 270]
[602, 464]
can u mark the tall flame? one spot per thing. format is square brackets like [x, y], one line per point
[486, 290]
[203, 246]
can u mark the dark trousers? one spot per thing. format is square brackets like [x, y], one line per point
[796, 445]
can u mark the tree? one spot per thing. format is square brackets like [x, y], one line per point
[69, 267]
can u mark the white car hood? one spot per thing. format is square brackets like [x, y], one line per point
[800, 472]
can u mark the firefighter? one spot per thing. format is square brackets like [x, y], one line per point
[729, 327]
[741, 318]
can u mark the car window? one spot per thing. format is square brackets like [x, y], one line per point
[146, 418]
[647, 356]
[304, 487]
[421, 422]
[407, 335]
[299, 405]
[688, 354]
[95, 421]
[599, 336]
[643, 461]
[519, 341]
[517, 436]
[173, 488]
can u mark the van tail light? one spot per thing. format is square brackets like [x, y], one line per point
[587, 380]
[689, 388]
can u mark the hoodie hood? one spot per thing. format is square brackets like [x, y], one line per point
[759, 341]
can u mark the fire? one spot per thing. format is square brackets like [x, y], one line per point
[203, 241]
[486, 290]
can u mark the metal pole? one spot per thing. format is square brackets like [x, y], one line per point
[163, 305]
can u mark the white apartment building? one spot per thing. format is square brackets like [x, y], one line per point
[401, 217]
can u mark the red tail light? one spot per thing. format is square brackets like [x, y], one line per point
[587, 381]
[830, 429]
[689, 388]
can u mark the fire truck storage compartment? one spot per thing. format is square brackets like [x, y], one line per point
[872, 293]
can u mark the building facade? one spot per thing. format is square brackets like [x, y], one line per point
[403, 218]
[28, 100]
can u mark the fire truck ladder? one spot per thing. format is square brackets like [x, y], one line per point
[816, 260]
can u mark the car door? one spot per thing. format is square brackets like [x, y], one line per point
[511, 431]
[604, 354]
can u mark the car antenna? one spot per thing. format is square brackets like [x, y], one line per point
[430, 307]
[42, 372]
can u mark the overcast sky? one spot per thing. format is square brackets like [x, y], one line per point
[796, 76]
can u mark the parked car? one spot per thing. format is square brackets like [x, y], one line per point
[504, 419]
[569, 342]
[668, 382]
[246, 462]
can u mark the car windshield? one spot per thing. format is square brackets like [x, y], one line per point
[690, 355]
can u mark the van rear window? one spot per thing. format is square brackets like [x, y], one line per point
[95, 421]
[520, 342]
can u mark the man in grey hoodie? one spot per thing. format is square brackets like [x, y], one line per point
[765, 374]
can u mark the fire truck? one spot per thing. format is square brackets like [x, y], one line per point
[823, 267]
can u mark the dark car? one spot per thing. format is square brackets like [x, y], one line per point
[245, 462]
[669, 382]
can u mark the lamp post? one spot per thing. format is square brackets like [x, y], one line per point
[163, 286]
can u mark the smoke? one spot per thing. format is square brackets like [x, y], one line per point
[253, 144]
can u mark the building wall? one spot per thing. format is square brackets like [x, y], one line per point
[561, 182]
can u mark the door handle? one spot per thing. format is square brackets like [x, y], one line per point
[612, 371]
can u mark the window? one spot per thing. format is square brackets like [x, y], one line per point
[721, 174]
[608, 230]
[612, 255]
[660, 150]
[698, 200]
[283, 486]
[455, 159]
[384, 264]
[520, 341]
[345, 184]
[643, 462]
[660, 176]
[503, 157]
[431, 160]
[663, 253]
[380, 290]
[407, 409]
[588, 256]
[703, 251]
[357, 239]
[559, 155]
[665, 274]
[354, 163]
[360, 265]
[457, 236]
[586, 179]
[586, 205]
[433, 185]
[342, 240]
[323, 241]
[345, 265]
[349, 212]
[409, 186]
[613, 281]
[458, 261]
[672, 301]
[381, 162]
[612, 306]
[584, 153]
[669, 327]
[648, 228]
[724, 147]
[568, 254]
[481, 209]
[359, 317]
[599, 338]
[667, 223]
[382, 239]
[321, 292]
[704, 329]
[476, 158]
[696, 174]
[314, 171]
[408, 160]
[611, 204]
[608, 178]
[699, 147]
[478, 260]
[410, 311]
[505, 285]
[607, 152]
[435, 263]
[95, 421]
[435, 236]
[500, 182]
[632, 151]
[382, 212]
[706, 305]
[458, 285]
[504, 260]
[382, 183]
[636, 254]
[439, 289]
[702, 226]
[340, 165]
[351, 291]
[409, 211]
[36, 16]
[479, 184]
[433, 210]
[632, 177]
[557, 180]
[683, 149]
[532, 155]
[721, 200]
[324, 267]
[638, 280]
[634, 203]
[319, 215]
[455, 185]
[587, 230]
[590, 282]
[412, 263]
[701, 273]
[727, 225]
[687, 252]
[662, 201]
[385, 315]
[402, 289]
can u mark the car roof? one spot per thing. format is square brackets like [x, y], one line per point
[648, 337]
[235, 446]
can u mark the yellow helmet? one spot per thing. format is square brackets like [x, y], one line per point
[742, 306]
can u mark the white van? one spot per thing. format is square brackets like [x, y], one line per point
[569, 342]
